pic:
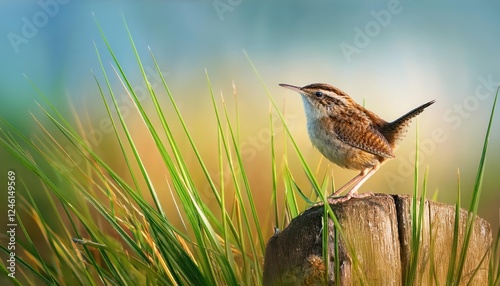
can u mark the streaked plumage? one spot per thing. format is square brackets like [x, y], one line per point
[348, 134]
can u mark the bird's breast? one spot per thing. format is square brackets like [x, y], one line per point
[337, 151]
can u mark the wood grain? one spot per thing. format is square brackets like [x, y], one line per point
[378, 229]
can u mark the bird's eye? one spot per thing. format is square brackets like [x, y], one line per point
[318, 94]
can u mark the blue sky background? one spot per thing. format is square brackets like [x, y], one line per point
[399, 54]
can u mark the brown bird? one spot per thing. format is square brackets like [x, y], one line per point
[350, 135]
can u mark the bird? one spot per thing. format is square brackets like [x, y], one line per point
[349, 135]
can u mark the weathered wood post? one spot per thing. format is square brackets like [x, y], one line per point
[379, 229]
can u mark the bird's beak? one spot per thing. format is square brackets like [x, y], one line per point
[292, 87]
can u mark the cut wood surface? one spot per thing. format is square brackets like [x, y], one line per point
[378, 229]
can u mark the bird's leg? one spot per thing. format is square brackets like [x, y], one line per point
[334, 196]
[363, 176]
[352, 181]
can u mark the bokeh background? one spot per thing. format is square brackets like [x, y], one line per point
[394, 55]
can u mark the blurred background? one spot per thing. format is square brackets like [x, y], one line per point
[393, 55]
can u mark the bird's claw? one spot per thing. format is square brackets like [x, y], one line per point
[342, 199]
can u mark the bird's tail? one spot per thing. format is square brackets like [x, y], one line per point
[395, 131]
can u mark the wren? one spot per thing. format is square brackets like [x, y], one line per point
[350, 135]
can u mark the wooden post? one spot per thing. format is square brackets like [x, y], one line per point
[378, 229]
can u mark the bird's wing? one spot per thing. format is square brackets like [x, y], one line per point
[357, 131]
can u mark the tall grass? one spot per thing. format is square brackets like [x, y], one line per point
[102, 227]
[458, 257]
[112, 233]
[115, 230]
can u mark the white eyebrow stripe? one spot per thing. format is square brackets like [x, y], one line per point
[335, 96]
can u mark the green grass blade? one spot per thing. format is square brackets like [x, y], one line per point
[494, 268]
[274, 174]
[475, 196]
[450, 277]
[310, 175]
[416, 222]
[291, 188]
[240, 200]
[124, 127]
[307, 170]
[246, 183]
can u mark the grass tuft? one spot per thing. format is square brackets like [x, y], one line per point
[99, 226]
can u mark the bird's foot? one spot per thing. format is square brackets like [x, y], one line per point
[363, 195]
[336, 200]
